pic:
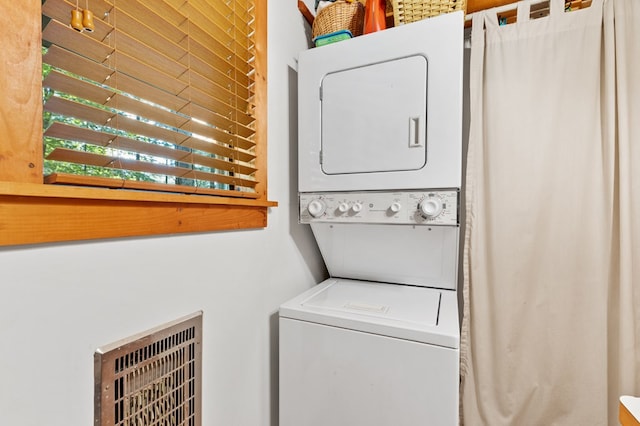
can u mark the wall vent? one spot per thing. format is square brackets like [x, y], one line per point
[153, 378]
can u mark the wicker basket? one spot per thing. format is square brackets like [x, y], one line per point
[340, 15]
[406, 11]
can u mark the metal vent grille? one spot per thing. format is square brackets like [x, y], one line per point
[153, 378]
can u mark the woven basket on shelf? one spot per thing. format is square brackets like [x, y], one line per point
[406, 11]
[340, 15]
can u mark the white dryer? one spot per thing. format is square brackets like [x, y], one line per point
[380, 153]
[384, 110]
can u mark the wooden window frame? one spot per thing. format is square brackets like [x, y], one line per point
[32, 212]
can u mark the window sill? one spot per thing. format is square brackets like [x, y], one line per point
[36, 213]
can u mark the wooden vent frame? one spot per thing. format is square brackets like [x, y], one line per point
[153, 378]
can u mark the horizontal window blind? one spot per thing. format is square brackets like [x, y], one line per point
[158, 96]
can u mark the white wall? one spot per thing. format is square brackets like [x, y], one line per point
[58, 303]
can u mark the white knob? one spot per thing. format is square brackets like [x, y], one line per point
[356, 207]
[396, 207]
[430, 208]
[343, 207]
[316, 208]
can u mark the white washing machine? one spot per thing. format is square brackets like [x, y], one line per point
[380, 123]
[356, 353]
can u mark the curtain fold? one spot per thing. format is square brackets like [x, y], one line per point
[550, 332]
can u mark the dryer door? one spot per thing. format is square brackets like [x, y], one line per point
[373, 117]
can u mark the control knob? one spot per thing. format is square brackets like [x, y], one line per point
[317, 208]
[356, 207]
[395, 207]
[430, 208]
[343, 207]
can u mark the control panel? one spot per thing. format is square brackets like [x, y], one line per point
[437, 207]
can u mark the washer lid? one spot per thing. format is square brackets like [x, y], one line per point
[381, 302]
[413, 313]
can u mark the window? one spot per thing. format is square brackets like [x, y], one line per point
[159, 94]
[163, 96]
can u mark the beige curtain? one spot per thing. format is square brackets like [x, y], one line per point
[624, 291]
[551, 328]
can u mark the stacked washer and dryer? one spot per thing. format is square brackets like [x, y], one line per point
[380, 158]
